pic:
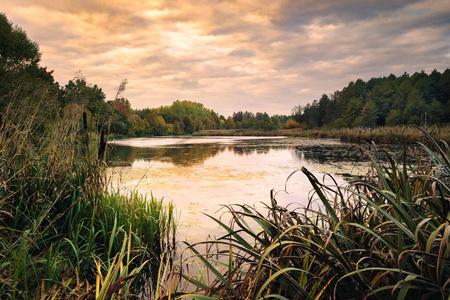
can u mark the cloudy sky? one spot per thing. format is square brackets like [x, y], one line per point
[231, 55]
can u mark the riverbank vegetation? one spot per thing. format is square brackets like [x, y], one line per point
[63, 234]
[386, 236]
[381, 135]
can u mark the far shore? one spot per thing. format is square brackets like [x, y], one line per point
[380, 135]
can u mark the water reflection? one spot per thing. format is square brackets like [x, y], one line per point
[324, 152]
[329, 154]
[187, 154]
[199, 174]
[243, 150]
[337, 159]
[182, 155]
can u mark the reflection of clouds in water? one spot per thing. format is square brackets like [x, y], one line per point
[201, 177]
[183, 155]
[187, 140]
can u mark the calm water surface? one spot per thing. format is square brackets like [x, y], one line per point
[200, 174]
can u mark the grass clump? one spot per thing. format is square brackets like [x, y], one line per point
[61, 234]
[383, 237]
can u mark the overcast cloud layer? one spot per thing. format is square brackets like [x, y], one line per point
[254, 55]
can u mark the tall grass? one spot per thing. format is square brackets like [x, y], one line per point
[153, 224]
[380, 135]
[394, 134]
[385, 237]
[61, 234]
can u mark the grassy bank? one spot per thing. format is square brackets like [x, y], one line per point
[384, 237]
[381, 135]
[61, 234]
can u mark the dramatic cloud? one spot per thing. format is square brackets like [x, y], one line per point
[242, 52]
[256, 55]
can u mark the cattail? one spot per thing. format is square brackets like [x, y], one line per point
[102, 146]
[85, 125]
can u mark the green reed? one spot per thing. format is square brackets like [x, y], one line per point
[152, 219]
[61, 234]
[383, 237]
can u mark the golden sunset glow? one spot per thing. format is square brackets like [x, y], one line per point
[234, 55]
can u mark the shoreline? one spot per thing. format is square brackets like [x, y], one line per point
[380, 135]
[400, 135]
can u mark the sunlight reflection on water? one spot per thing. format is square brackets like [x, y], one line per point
[200, 175]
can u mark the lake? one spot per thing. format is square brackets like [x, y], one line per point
[201, 174]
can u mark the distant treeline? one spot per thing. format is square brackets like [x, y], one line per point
[25, 86]
[383, 101]
[187, 117]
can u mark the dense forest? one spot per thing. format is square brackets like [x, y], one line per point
[383, 101]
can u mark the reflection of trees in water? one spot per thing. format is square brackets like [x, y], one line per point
[185, 155]
[328, 154]
[246, 150]
[179, 155]
[191, 154]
